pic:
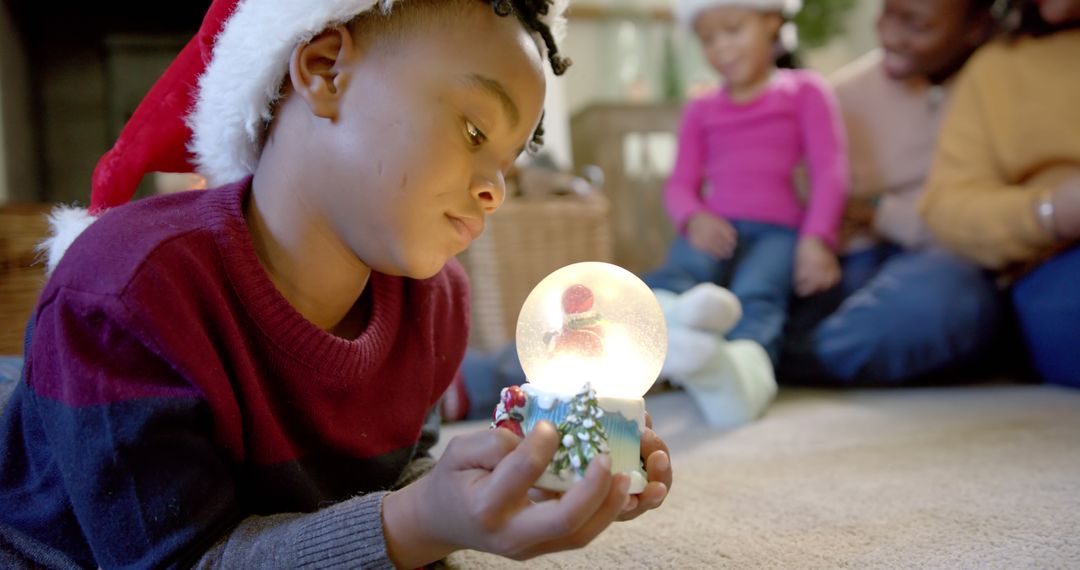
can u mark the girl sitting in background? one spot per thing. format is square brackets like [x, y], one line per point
[749, 231]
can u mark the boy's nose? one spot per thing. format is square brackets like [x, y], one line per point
[489, 190]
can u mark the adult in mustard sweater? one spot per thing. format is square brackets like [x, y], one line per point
[906, 311]
[1005, 185]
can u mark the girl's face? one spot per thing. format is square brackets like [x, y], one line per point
[1058, 12]
[739, 42]
[428, 126]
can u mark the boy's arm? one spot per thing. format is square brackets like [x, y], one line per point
[134, 448]
[826, 153]
[348, 534]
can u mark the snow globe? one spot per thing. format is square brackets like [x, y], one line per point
[592, 339]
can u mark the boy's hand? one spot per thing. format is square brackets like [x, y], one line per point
[658, 469]
[476, 497]
[816, 267]
[712, 235]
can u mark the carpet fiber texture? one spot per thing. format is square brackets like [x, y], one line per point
[965, 477]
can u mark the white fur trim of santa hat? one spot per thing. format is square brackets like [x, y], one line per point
[687, 10]
[250, 59]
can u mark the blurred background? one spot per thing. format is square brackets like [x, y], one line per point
[72, 72]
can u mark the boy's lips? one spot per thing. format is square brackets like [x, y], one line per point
[469, 228]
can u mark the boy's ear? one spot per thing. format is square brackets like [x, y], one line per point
[319, 70]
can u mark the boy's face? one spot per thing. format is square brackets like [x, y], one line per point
[928, 38]
[429, 122]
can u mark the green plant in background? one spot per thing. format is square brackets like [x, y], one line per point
[671, 82]
[821, 20]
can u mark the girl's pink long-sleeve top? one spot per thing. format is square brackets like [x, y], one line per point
[748, 154]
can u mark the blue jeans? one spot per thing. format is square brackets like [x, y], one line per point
[1047, 306]
[897, 317]
[759, 273]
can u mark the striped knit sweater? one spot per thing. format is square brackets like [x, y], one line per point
[177, 410]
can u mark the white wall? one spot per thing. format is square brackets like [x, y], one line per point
[624, 59]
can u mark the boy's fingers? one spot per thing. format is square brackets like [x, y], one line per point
[651, 497]
[540, 495]
[518, 471]
[658, 467]
[657, 457]
[608, 513]
[554, 520]
[483, 450]
[581, 514]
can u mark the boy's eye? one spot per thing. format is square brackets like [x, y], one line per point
[474, 135]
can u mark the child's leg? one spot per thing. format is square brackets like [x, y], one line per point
[482, 376]
[1048, 307]
[762, 282]
[684, 268]
[923, 313]
[856, 270]
[736, 383]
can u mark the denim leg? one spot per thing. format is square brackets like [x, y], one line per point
[486, 374]
[684, 268]
[762, 282]
[923, 313]
[1047, 307]
[805, 314]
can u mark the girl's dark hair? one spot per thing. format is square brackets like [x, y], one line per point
[1022, 18]
[787, 56]
[529, 13]
[788, 60]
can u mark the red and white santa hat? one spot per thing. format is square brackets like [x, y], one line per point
[208, 112]
[687, 10]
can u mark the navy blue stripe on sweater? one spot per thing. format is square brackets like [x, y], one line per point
[154, 489]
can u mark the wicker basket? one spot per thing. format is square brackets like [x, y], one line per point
[525, 241]
[22, 227]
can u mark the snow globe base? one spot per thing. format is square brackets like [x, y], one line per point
[588, 425]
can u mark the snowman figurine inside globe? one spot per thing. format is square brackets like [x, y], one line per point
[591, 338]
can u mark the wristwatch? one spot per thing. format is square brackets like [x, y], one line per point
[1045, 211]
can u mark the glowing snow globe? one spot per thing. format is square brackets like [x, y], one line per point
[592, 339]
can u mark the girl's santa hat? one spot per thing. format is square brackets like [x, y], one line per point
[688, 10]
[208, 111]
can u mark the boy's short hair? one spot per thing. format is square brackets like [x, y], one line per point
[209, 110]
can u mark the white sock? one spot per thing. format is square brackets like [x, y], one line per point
[689, 350]
[667, 301]
[735, 386]
[707, 307]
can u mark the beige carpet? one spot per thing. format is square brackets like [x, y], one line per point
[972, 477]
